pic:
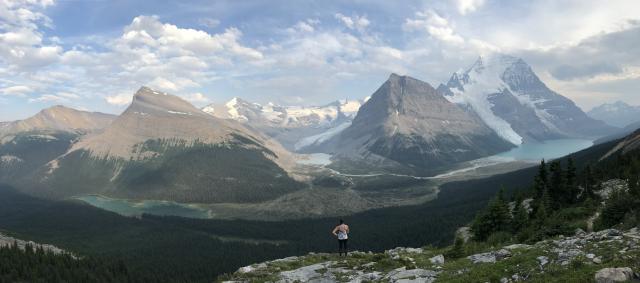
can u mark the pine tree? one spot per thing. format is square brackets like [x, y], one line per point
[556, 185]
[520, 217]
[457, 251]
[496, 217]
[571, 186]
[541, 179]
[589, 183]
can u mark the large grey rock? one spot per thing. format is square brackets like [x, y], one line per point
[611, 275]
[542, 260]
[490, 257]
[439, 259]
[312, 273]
[411, 275]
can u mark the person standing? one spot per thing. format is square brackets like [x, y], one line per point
[342, 233]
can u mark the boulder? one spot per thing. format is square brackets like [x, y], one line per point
[439, 259]
[417, 275]
[543, 260]
[610, 275]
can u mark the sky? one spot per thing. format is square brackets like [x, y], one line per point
[94, 54]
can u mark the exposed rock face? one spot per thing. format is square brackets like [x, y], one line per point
[6, 241]
[617, 114]
[508, 96]
[59, 118]
[408, 122]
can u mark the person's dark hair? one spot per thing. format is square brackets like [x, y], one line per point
[341, 221]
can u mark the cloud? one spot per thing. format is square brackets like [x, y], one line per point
[55, 98]
[22, 44]
[303, 26]
[613, 54]
[468, 6]
[119, 99]
[196, 98]
[435, 25]
[589, 70]
[18, 90]
[359, 23]
[209, 22]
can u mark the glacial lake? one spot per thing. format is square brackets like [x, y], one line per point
[551, 149]
[137, 208]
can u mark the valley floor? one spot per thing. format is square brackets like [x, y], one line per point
[357, 193]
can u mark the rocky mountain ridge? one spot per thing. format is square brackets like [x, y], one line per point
[59, 118]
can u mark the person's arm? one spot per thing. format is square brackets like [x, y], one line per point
[347, 228]
[335, 231]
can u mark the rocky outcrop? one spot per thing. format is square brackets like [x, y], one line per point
[7, 241]
[596, 255]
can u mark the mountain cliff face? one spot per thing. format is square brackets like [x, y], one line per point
[511, 99]
[408, 122]
[163, 148]
[298, 128]
[617, 114]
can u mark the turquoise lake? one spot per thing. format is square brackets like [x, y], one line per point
[534, 151]
[137, 208]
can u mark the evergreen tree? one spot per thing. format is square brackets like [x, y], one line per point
[520, 218]
[589, 183]
[556, 185]
[541, 179]
[457, 251]
[571, 185]
[495, 218]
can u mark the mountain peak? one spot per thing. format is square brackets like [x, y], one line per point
[147, 100]
[498, 62]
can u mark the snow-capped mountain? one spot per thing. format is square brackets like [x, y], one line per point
[296, 127]
[510, 98]
[619, 114]
[408, 123]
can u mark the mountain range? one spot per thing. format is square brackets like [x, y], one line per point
[619, 114]
[297, 128]
[163, 148]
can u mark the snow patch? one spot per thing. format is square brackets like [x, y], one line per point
[178, 113]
